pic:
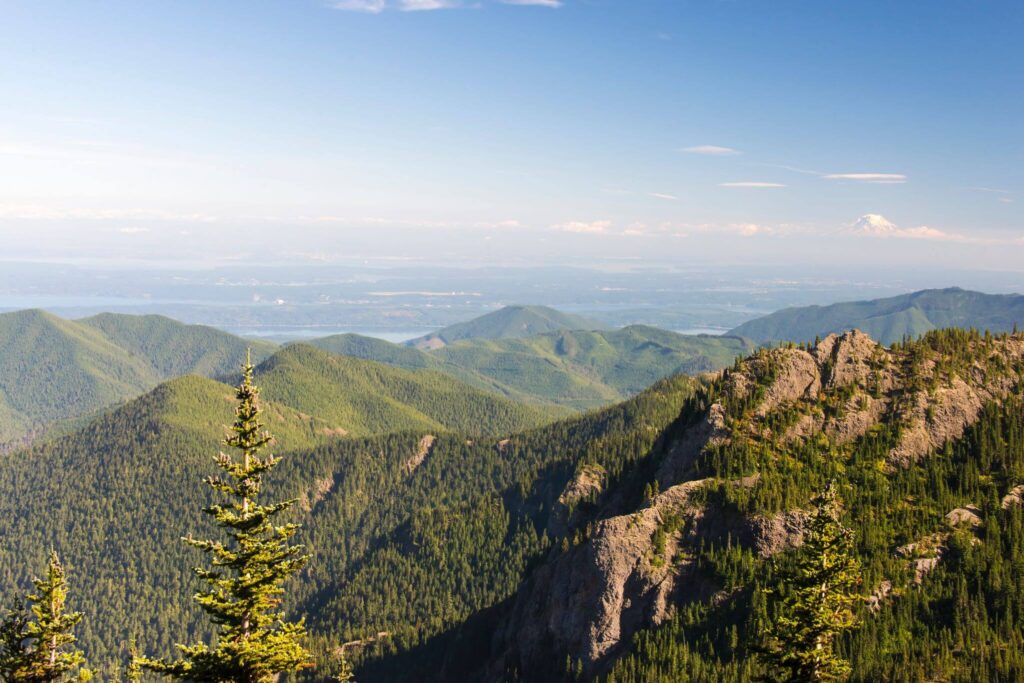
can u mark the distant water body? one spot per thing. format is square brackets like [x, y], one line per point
[715, 331]
[305, 333]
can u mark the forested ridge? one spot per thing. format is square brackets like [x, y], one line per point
[678, 514]
[578, 369]
[56, 372]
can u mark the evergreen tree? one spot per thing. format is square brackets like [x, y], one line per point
[818, 605]
[14, 642]
[254, 642]
[40, 648]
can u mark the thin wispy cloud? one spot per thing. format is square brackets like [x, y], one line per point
[712, 150]
[536, 3]
[660, 195]
[426, 5]
[877, 225]
[752, 184]
[584, 227]
[882, 178]
[369, 6]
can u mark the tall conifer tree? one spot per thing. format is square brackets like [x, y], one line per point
[254, 642]
[41, 648]
[818, 606]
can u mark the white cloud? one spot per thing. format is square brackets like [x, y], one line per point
[636, 229]
[749, 183]
[712, 150]
[883, 178]
[422, 5]
[583, 227]
[877, 225]
[133, 231]
[659, 195]
[370, 6]
[538, 3]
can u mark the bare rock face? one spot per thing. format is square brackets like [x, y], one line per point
[798, 376]
[849, 357]
[879, 596]
[592, 597]
[969, 516]
[422, 451]
[1014, 497]
[632, 568]
[683, 453]
[589, 482]
[770, 535]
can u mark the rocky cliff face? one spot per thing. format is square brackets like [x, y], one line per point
[632, 565]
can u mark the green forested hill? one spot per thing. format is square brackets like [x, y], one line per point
[364, 397]
[174, 349]
[507, 323]
[114, 497]
[409, 535]
[889, 320]
[54, 370]
[638, 543]
[578, 369]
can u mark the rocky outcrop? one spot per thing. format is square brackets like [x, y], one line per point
[1014, 497]
[422, 451]
[591, 597]
[586, 485]
[624, 567]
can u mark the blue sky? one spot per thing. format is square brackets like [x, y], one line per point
[658, 130]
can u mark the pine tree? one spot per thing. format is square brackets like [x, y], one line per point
[14, 643]
[254, 643]
[818, 606]
[40, 648]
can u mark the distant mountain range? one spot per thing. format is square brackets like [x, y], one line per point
[510, 322]
[579, 369]
[890, 319]
[56, 372]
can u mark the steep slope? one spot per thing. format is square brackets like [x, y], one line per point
[577, 369]
[508, 322]
[445, 519]
[57, 371]
[53, 369]
[632, 543]
[114, 498]
[889, 320]
[363, 397]
[666, 585]
[174, 349]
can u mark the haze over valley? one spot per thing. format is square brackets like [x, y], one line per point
[511, 341]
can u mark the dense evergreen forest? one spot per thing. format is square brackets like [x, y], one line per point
[428, 549]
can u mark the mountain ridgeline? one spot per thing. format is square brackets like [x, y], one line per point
[641, 542]
[890, 320]
[509, 322]
[54, 370]
[578, 369]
